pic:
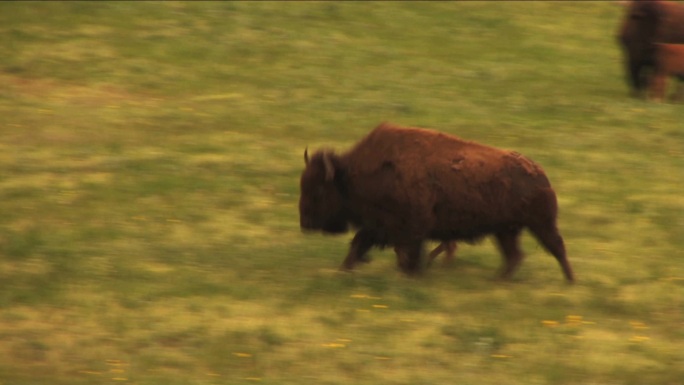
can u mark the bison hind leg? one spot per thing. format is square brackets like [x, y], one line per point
[509, 245]
[409, 257]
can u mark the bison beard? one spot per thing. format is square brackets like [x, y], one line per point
[401, 186]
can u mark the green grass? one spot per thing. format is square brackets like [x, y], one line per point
[149, 169]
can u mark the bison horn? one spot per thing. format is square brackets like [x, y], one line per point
[329, 168]
[306, 155]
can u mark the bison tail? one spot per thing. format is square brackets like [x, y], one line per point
[552, 241]
[543, 227]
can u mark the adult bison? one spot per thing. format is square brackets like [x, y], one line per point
[400, 186]
[647, 22]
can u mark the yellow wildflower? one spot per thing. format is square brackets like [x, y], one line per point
[334, 345]
[639, 339]
[500, 356]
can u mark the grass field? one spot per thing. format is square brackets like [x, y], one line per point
[149, 173]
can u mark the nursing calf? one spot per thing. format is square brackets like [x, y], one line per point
[669, 62]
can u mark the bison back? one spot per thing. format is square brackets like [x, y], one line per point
[428, 181]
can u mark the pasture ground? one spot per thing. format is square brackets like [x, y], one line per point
[149, 166]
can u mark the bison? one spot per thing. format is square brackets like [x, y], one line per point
[669, 61]
[401, 186]
[647, 22]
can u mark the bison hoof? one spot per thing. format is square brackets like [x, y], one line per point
[411, 271]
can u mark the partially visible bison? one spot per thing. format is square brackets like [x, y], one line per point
[647, 22]
[669, 62]
[401, 186]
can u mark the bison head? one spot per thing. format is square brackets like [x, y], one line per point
[321, 203]
[640, 27]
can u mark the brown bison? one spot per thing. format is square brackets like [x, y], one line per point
[647, 22]
[402, 186]
[669, 61]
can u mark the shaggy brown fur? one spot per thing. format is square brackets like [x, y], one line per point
[669, 61]
[647, 22]
[401, 186]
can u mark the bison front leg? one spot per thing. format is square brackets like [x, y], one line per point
[362, 242]
[509, 245]
[635, 77]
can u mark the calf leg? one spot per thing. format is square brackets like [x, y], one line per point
[434, 253]
[451, 251]
[657, 86]
[449, 247]
[679, 95]
[362, 242]
[509, 245]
